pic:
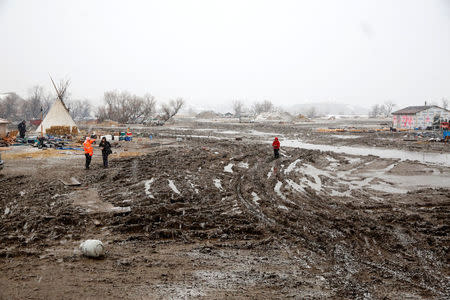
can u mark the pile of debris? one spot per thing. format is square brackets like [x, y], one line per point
[9, 139]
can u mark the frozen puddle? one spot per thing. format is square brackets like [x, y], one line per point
[173, 187]
[228, 168]
[426, 157]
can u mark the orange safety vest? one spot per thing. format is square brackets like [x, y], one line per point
[88, 147]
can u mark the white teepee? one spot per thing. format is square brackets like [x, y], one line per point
[58, 115]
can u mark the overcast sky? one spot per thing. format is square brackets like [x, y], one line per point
[211, 52]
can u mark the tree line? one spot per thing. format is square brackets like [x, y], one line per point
[122, 107]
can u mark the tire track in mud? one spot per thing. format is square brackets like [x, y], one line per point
[355, 242]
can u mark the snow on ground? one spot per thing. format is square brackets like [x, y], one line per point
[270, 172]
[218, 184]
[147, 184]
[173, 187]
[243, 165]
[277, 189]
[228, 168]
[291, 166]
[255, 198]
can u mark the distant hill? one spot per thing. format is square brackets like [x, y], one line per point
[329, 108]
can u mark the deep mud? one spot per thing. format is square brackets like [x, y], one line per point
[220, 218]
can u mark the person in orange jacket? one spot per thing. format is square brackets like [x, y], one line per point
[88, 150]
[276, 147]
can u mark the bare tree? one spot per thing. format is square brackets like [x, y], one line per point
[124, 107]
[444, 102]
[10, 107]
[374, 111]
[238, 107]
[311, 113]
[262, 107]
[388, 107]
[79, 109]
[171, 109]
[32, 107]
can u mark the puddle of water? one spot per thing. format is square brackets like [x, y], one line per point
[426, 157]
[387, 188]
[345, 137]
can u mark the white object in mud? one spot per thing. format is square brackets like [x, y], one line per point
[92, 248]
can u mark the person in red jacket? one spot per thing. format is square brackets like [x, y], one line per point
[88, 151]
[276, 147]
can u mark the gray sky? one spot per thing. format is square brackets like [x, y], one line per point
[211, 52]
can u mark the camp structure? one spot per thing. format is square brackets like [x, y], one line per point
[3, 127]
[58, 114]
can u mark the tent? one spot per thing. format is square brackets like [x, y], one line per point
[58, 115]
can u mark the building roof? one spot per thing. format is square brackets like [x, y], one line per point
[3, 121]
[411, 110]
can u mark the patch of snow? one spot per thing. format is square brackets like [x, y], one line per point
[243, 165]
[173, 187]
[283, 207]
[228, 168]
[7, 210]
[121, 209]
[255, 198]
[295, 185]
[291, 166]
[218, 184]
[147, 184]
[278, 191]
[270, 173]
[229, 132]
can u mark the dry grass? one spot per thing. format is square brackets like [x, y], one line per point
[38, 154]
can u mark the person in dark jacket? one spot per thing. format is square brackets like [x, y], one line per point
[22, 129]
[106, 150]
[276, 147]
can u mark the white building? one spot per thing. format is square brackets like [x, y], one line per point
[419, 117]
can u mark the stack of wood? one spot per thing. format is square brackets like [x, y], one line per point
[9, 139]
[74, 130]
[59, 130]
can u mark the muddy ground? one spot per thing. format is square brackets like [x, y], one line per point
[220, 218]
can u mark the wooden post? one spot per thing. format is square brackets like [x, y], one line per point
[42, 119]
